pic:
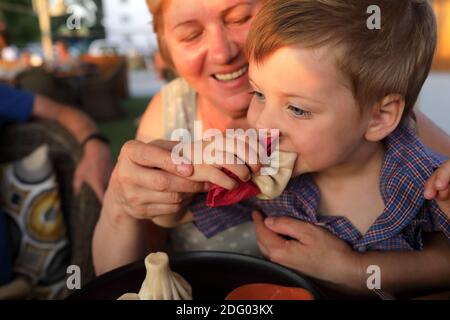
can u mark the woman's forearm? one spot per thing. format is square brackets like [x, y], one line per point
[120, 239]
[433, 136]
[405, 273]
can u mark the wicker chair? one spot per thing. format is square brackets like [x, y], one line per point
[40, 81]
[80, 212]
[101, 95]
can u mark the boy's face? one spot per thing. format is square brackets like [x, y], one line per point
[302, 93]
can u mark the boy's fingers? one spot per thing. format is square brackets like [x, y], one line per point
[257, 218]
[267, 238]
[291, 227]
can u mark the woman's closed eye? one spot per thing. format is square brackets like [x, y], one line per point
[191, 37]
[298, 112]
[238, 20]
[188, 33]
[258, 95]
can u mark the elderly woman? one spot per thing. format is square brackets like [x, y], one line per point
[203, 41]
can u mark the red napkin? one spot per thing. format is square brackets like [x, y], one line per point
[218, 196]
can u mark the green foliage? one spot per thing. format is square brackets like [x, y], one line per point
[21, 27]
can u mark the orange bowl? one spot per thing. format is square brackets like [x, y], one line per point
[266, 291]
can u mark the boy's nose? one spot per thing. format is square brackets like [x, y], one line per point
[223, 49]
[268, 119]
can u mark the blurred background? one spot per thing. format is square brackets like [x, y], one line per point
[102, 57]
[435, 98]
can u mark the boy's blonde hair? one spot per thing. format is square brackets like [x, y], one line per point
[395, 59]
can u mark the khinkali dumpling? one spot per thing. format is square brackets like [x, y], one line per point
[160, 282]
[272, 185]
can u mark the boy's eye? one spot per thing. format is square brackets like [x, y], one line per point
[257, 95]
[299, 112]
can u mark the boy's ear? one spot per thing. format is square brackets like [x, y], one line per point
[385, 117]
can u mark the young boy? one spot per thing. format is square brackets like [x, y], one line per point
[341, 94]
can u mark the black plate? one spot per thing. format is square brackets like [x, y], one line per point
[212, 276]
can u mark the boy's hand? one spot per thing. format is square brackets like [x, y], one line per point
[438, 187]
[310, 250]
[215, 156]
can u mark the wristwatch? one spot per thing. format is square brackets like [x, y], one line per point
[95, 136]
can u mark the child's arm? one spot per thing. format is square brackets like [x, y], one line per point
[411, 273]
[433, 136]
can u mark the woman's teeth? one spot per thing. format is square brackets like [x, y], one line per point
[231, 76]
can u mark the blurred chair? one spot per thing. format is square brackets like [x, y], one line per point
[80, 212]
[105, 64]
[40, 81]
[101, 96]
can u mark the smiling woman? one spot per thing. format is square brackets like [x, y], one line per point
[207, 49]
[204, 42]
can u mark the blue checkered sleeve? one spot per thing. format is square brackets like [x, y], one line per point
[437, 220]
[211, 221]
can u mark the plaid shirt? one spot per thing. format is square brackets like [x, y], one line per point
[406, 166]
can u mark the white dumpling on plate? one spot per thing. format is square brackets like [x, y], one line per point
[160, 282]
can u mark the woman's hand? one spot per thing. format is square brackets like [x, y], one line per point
[94, 168]
[146, 183]
[241, 160]
[438, 187]
[311, 250]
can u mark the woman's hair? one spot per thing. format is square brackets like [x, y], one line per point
[156, 8]
[395, 58]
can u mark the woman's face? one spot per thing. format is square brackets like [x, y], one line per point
[206, 39]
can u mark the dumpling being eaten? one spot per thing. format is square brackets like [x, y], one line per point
[271, 186]
[266, 186]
